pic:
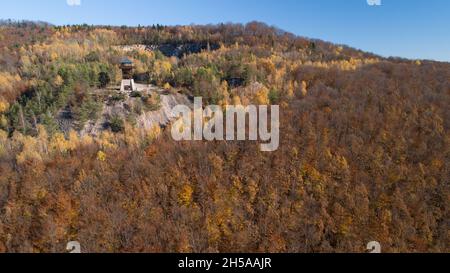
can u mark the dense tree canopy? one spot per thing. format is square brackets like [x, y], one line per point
[364, 152]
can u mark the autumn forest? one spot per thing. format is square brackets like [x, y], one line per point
[364, 150]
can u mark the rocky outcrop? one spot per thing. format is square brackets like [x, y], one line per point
[147, 120]
[174, 49]
[181, 49]
[164, 115]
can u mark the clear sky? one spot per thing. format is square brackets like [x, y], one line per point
[416, 29]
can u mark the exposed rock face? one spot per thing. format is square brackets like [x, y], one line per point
[174, 49]
[147, 120]
[179, 50]
[164, 115]
[124, 109]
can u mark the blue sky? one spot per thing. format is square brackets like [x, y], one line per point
[416, 29]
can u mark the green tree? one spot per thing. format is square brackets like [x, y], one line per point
[116, 124]
[103, 79]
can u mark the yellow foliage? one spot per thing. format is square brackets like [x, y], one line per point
[132, 135]
[278, 76]
[59, 143]
[3, 141]
[185, 196]
[8, 81]
[252, 189]
[436, 164]
[107, 141]
[224, 92]
[74, 140]
[262, 96]
[42, 194]
[217, 164]
[304, 90]
[153, 133]
[4, 106]
[149, 55]
[213, 231]
[54, 56]
[58, 81]
[26, 63]
[101, 156]
[162, 67]
[139, 66]
[86, 140]
[221, 221]
[167, 86]
[290, 90]
[3, 121]
[117, 72]
[236, 100]
[268, 66]
[30, 148]
[3, 136]
[103, 36]
[351, 64]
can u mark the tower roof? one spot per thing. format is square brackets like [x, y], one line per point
[127, 61]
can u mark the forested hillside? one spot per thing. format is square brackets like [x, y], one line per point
[364, 145]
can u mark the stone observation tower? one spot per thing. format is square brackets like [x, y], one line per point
[127, 75]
